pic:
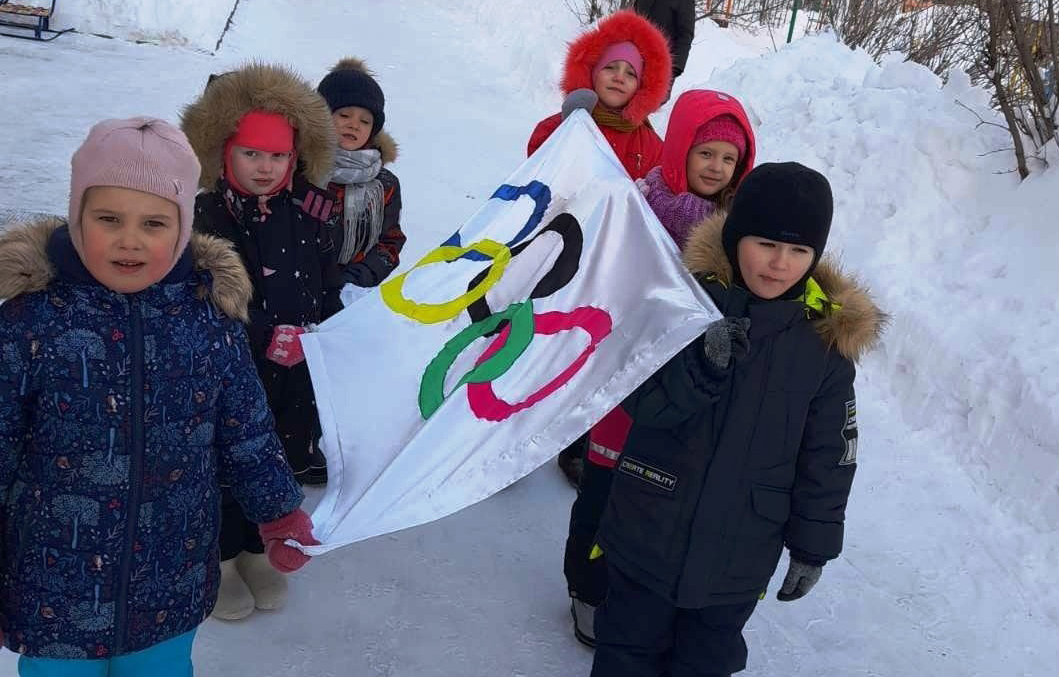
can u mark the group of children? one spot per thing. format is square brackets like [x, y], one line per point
[155, 407]
[155, 402]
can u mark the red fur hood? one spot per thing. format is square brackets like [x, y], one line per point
[692, 110]
[586, 50]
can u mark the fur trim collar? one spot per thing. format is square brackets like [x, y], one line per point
[387, 147]
[853, 329]
[622, 26]
[213, 118]
[25, 268]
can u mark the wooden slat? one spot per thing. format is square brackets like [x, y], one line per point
[25, 10]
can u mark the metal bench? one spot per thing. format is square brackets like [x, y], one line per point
[41, 30]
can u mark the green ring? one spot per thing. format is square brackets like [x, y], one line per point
[432, 387]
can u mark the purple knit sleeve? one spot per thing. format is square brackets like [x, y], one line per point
[678, 213]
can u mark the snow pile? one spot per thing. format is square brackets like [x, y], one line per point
[956, 249]
[195, 23]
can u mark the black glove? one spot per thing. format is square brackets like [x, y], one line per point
[725, 341]
[579, 98]
[359, 274]
[800, 579]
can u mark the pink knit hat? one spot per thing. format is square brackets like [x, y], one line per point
[144, 154]
[620, 51]
[722, 128]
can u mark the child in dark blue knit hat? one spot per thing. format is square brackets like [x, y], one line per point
[369, 195]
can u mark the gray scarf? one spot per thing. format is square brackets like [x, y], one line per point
[358, 170]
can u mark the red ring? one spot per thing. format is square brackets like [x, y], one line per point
[596, 322]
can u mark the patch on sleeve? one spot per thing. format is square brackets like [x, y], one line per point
[659, 478]
[849, 433]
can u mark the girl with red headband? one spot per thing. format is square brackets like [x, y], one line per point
[262, 136]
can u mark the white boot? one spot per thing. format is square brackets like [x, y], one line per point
[268, 586]
[234, 600]
[584, 622]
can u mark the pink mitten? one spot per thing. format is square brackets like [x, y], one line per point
[286, 346]
[296, 526]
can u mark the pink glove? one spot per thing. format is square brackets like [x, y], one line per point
[295, 526]
[286, 346]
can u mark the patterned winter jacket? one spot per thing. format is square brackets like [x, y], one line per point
[377, 263]
[120, 416]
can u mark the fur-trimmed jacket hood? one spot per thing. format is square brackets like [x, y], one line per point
[214, 117]
[584, 53]
[387, 147]
[852, 323]
[26, 267]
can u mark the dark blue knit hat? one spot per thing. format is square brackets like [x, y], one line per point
[350, 84]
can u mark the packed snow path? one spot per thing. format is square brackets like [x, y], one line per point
[934, 580]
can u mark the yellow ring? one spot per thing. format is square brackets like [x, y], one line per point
[431, 313]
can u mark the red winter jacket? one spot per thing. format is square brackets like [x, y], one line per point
[638, 150]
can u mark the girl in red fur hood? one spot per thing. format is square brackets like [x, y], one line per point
[625, 61]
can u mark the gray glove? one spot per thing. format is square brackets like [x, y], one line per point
[725, 341]
[579, 98]
[800, 579]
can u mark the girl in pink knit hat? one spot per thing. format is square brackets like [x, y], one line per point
[709, 148]
[128, 396]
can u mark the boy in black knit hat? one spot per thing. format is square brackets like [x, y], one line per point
[742, 444]
[368, 208]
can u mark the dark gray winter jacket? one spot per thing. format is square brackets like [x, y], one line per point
[676, 19]
[718, 474]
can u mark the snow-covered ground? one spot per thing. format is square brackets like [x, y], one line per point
[194, 23]
[952, 529]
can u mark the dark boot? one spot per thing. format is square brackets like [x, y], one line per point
[584, 622]
[571, 461]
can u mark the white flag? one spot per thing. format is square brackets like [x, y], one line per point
[500, 347]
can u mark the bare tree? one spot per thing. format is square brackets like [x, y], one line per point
[1018, 61]
[588, 11]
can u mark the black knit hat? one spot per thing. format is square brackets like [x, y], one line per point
[352, 86]
[782, 201]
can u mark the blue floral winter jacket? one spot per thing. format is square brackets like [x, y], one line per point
[121, 415]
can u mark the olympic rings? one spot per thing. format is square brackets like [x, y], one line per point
[488, 367]
[542, 197]
[596, 322]
[392, 291]
[562, 271]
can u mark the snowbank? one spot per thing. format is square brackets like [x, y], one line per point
[195, 23]
[956, 249]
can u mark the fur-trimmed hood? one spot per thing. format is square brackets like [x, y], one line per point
[214, 117]
[25, 267]
[853, 328]
[387, 147]
[626, 25]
